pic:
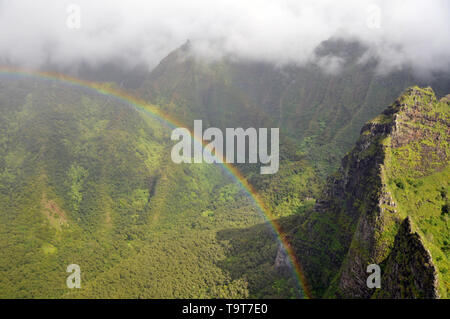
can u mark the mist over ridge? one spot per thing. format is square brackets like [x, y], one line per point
[397, 33]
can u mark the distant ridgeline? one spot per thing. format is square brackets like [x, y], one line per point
[388, 204]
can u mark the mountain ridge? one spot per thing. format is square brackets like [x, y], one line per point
[365, 201]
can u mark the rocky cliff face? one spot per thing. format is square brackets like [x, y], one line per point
[282, 263]
[409, 271]
[395, 171]
[410, 120]
[362, 192]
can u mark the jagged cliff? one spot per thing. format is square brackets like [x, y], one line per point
[409, 270]
[397, 174]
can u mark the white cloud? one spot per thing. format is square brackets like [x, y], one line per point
[280, 31]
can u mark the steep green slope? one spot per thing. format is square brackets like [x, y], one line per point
[320, 112]
[398, 169]
[88, 180]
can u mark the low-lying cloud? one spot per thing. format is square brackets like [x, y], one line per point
[399, 33]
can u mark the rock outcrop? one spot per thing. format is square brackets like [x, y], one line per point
[359, 222]
[282, 263]
[409, 271]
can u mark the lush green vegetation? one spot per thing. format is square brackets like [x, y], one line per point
[418, 175]
[86, 180]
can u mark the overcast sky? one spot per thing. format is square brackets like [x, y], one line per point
[399, 32]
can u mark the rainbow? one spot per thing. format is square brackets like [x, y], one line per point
[156, 112]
